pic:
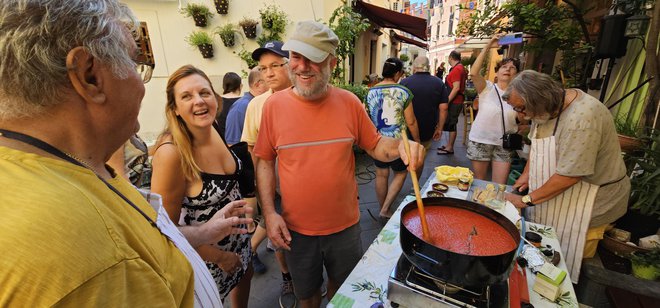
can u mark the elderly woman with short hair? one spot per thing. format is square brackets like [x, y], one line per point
[576, 175]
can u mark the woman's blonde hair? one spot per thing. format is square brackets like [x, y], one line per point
[176, 127]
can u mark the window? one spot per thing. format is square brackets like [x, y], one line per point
[395, 6]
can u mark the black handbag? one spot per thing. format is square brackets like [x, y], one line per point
[510, 141]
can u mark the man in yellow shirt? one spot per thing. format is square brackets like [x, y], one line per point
[73, 232]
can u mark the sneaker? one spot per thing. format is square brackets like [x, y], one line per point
[287, 298]
[258, 266]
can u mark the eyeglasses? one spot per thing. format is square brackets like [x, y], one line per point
[144, 70]
[273, 66]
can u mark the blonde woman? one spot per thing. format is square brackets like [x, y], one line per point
[198, 174]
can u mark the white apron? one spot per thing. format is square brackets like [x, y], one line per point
[569, 212]
[206, 291]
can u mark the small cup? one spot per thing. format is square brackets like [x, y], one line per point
[464, 184]
[534, 238]
[434, 193]
[440, 187]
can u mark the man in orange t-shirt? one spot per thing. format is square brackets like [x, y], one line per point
[310, 129]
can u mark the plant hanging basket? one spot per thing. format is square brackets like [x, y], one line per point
[228, 40]
[250, 31]
[629, 144]
[200, 20]
[222, 6]
[206, 50]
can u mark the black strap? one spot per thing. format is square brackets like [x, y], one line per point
[501, 108]
[55, 151]
[563, 100]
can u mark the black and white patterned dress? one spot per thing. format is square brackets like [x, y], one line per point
[217, 191]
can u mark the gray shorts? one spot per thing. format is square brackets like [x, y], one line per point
[338, 252]
[488, 152]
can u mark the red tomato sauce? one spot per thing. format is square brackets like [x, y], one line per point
[461, 231]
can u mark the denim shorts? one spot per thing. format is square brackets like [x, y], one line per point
[338, 252]
[488, 152]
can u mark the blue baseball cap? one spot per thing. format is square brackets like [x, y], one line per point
[272, 46]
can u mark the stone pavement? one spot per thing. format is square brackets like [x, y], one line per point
[265, 288]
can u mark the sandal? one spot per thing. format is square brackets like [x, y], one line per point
[444, 152]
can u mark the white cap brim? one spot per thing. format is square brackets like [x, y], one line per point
[308, 51]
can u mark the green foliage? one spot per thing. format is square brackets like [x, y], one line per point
[404, 58]
[478, 23]
[227, 33]
[273, 21]
[646, 258]
[246, 56]
[359, 90]
[197, 38]
[645, 182]
[347, 25]
[196, 9]
[625, 127]
[551, 27]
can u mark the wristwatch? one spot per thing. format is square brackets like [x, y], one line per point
[527, 199]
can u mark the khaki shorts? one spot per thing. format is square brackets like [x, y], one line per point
[488, 152]
[338, 252]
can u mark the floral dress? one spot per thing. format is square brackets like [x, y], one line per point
[217, 191]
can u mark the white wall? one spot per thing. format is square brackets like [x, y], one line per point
[168, 28]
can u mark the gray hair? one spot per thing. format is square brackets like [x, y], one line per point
[37, 35]
[540, 94]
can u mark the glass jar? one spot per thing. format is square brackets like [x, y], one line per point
[463, 184]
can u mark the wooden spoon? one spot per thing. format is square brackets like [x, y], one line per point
[426, 234]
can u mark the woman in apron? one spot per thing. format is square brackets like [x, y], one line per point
[576, 176]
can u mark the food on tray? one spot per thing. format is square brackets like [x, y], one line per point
[450, 175]
[434, 193]
[440, 187]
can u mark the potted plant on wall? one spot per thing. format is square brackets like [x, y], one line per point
[222, 6]
[249, 26]
[227, 34]
[273, 21]
[200, 13]
[203, 41]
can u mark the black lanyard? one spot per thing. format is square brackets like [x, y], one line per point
[55, 151]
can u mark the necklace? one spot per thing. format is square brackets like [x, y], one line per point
[42, 145]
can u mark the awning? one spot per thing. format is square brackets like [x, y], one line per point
[410, 40]
[474, 43]
[391, 19]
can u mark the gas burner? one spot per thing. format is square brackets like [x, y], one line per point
[410, 287]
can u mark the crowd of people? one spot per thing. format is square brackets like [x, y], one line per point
[82, 201]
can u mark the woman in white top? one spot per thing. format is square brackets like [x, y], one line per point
[485, 144]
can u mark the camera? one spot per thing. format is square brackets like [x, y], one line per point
[512, 141]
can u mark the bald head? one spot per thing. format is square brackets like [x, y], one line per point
[256, 82]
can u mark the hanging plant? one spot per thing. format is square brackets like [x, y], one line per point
[203, 41]
[227, 34]
[348, 25]
[200, 13]
[273, 21]
[246, 56]
[222, 6]
[249, 26]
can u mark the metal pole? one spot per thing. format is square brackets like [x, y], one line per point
[603, 90]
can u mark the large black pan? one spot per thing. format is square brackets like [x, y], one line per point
[456, 268]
